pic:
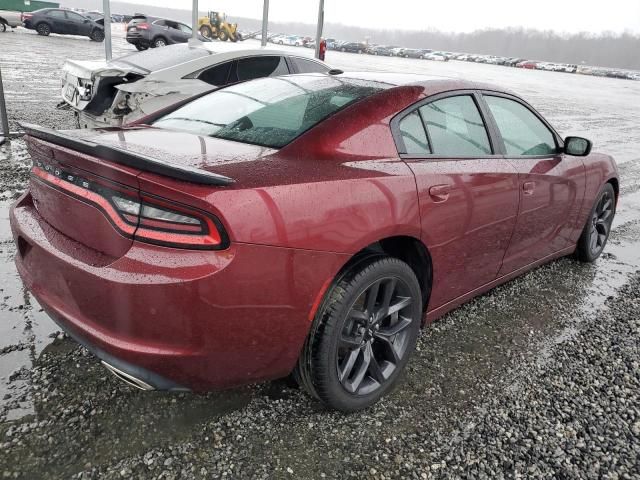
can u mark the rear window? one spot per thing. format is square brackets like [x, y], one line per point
[160, 58]
[270, 112]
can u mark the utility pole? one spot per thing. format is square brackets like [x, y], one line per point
[4, 119]
[320, 25]
[106, 8]
[265, 23]
[194, 24]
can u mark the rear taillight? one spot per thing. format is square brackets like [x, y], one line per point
[26, 16]
[142, 26]
[145, 218]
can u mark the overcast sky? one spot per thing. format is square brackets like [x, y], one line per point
[452, 15]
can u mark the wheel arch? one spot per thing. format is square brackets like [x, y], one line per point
[409, 249]
[615, 183]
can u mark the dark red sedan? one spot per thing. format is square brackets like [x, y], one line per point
[307, 224]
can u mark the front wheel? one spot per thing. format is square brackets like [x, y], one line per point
[223, 36]
[205, 31]
[363, 335]
[596, 232]
[97, 36]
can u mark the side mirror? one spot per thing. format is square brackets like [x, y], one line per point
[577, 146]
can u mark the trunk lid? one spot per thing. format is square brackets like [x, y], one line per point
[84, 81]
[80, 178]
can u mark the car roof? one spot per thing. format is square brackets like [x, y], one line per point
[432, 84]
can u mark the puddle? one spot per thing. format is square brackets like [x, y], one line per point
[25, 331]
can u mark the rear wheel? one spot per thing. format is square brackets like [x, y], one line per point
[363, 335]
[43, 29]
[159, 42]
[3, 27]
[205, 31]
[596, 232]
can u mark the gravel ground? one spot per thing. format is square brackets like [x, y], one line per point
[537, 379]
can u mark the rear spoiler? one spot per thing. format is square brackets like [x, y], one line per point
[124, 157]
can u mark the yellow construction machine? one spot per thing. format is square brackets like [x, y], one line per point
[215, 25]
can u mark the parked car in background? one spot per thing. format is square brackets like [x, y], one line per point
[436, 56]
[380, 50]
[420, 53]
[291, 40]
[528, 64]
[331, 43]
[112, 93]
[145, 32]
[308, 224]
[10, 19]
[353, 47]
[65, 22]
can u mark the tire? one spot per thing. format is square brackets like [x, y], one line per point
[97, 35]
[3, 27]
[343, 49]
[140, 48]
[43, 29]
[205, 31]
[598, 227]
[159, 42]
[375, 53]
[223, 36]
[347, 331]
[359, 52]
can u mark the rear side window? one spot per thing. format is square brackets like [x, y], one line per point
[259, 67]
[302, 65]
[522, 131]
[414, 135]
[217, 75]
[455, 127]
[56, 14]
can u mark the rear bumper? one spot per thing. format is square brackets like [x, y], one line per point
[176, 318]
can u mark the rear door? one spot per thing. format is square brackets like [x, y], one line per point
[468, 193]
[58, 21]
[551, 185]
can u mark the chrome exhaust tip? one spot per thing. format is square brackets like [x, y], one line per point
[127, 378]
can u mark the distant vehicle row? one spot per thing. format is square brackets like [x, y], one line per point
[428, 54]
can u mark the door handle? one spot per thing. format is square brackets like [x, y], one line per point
[439, 193]
[528, 188]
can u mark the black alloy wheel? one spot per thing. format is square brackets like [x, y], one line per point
[375, 336]
[601, 223]
[362, 335]
[43, 29]
[596, 232]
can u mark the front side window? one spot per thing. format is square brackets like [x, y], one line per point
[270, 111]
[75, 17]
[522, 131]
[184, 28]
[413, 134]
[259, 67]
[456, 127]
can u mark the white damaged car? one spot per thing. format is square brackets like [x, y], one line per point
[106, 94]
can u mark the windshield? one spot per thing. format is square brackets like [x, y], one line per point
[271, 111]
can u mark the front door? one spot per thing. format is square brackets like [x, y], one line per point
[551, 184]
[468, 195]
